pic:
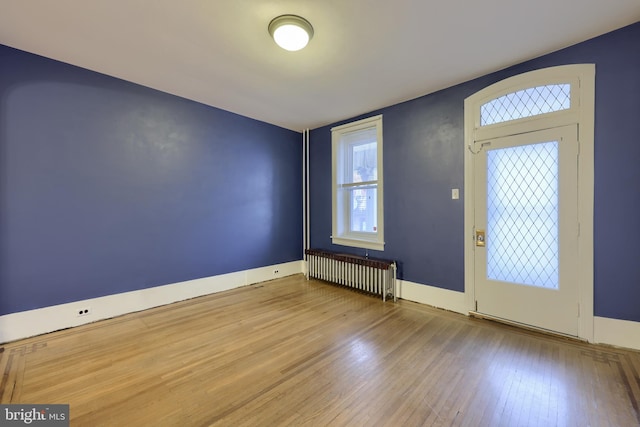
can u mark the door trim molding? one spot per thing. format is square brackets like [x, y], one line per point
[582, 112]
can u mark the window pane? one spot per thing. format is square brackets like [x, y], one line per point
[361, 156]
[364, 164]
[526, 103]
[363, 210]
[522, 214]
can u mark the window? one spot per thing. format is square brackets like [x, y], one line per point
[357, 184]
[526, 103]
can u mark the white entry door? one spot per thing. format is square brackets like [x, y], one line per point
[526, 229]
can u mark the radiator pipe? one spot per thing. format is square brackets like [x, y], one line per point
[305, 199]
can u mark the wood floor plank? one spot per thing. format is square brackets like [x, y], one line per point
[298, 352]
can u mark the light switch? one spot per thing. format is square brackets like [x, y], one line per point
[455, 193]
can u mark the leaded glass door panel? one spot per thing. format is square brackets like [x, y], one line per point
[527, 230]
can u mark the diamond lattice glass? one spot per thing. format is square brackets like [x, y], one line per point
[522, 214]
[526, 103]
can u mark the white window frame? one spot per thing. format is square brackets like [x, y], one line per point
[341, 234]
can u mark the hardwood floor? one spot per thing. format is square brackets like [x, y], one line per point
[292, 352]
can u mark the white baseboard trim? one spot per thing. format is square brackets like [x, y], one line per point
[621, 333]
[29, 323]
[432, 295]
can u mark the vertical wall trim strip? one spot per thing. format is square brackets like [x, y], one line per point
[308, 211]
[304, 193]
[305, 197]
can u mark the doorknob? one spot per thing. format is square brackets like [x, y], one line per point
[480, 238]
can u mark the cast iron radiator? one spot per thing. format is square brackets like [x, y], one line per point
[370, 275]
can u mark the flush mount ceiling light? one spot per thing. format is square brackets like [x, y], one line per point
[291, 32]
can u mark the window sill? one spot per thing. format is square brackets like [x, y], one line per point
[358, 243]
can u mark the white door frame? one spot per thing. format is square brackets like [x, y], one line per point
[582, 111]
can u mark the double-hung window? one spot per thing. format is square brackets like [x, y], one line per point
[358, 219]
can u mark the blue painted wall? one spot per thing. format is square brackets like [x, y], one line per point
[424, 159]
[108, 187]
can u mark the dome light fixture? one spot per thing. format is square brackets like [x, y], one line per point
[291, 32]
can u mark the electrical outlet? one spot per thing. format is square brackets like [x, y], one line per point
[85, 311]
[276, 271]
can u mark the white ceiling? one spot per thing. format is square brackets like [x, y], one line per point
[365, 54]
